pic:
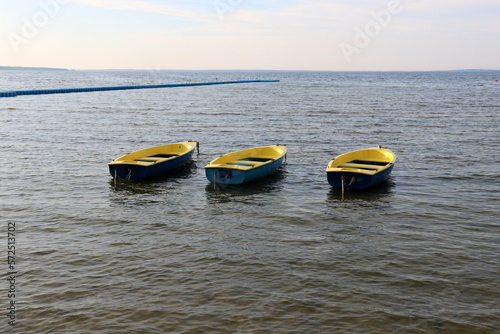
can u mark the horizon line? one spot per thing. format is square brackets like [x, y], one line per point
[234, 70]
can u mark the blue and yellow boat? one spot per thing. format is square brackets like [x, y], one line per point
[361, 169]
[152, 161]
[246, 165]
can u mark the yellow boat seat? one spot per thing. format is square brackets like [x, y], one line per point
[244, 162]
[362, 166]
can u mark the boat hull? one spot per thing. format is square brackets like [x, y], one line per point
[135, 166]
[246, 165]
[353, 180]
[135, 172]
[361, 169]
[235, 176]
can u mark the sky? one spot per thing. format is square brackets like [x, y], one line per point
[324, 35]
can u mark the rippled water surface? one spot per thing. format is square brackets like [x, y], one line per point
[288, 254]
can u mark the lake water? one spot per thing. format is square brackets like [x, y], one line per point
[289, 254]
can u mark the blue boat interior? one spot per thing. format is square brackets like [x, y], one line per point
[256, 159]
[376, 163]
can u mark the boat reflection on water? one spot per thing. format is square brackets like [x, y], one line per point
[222, 193]
[370, 195]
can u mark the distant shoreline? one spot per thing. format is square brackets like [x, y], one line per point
[21, 68]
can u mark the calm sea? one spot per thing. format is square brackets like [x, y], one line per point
[419, 254]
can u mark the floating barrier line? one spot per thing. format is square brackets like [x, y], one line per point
[14, 93]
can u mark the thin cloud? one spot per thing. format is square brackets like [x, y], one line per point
[447, 6]
[147, 6]
[272, 34]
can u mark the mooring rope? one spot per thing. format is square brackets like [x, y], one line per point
[343, 182]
